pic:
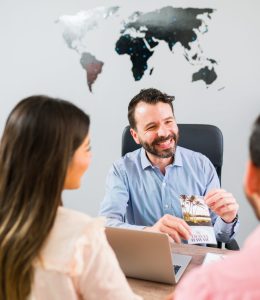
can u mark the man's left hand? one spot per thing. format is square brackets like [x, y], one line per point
[223, 204]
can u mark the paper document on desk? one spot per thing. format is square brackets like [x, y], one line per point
[212, 257]
[196, 214]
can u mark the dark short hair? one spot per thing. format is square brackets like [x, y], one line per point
[150, 96]
[254, 143]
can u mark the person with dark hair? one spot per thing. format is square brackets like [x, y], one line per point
[48, 251]
[144, 186]
[237, 276]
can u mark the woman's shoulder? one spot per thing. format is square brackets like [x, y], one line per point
[75, 223]
[69, 215]
[71, 230]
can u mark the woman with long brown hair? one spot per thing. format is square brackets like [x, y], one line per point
[48, 251]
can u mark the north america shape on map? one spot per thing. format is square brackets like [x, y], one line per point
[139, 35]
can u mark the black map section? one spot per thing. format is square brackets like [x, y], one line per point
[92, 66]
[171, 24]
[212, 61]
[167, 24]
[205, 74]
[138, 52]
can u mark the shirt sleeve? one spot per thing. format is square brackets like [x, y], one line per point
[223, 231]
[101, 276]
[194, 285]
[116, 199]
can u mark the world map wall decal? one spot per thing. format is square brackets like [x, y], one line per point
[138, 36]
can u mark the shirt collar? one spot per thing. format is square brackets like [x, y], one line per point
[178, 158]
[146, 162]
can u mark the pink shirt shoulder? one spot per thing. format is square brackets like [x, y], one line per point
[236, 277]
[77, 262]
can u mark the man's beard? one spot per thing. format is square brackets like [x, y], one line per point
[165, 153]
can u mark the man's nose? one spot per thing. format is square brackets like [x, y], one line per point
[162, 131]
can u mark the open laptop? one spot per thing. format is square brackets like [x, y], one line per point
[146, 255]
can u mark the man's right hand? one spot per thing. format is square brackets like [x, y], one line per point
[175, 227]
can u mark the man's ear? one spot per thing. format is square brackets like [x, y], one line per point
[252, 179]
[134, 135]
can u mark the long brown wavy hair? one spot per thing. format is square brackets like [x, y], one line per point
[39, 140]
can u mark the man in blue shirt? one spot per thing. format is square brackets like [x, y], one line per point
[143, 187]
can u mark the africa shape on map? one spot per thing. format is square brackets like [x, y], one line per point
[138, 37]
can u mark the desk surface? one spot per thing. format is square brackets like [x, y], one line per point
[153, 290]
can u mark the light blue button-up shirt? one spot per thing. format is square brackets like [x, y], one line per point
[138, 194]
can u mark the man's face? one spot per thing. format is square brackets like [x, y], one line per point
[157, 130]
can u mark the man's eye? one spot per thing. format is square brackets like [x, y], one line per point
[150, 128]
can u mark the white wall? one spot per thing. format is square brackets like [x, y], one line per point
[35, 60]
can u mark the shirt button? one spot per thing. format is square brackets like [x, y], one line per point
[164, 184]
[166, 206]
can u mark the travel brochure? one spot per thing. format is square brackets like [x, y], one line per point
[196, 214]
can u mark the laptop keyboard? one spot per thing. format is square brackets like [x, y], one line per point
[176, 268]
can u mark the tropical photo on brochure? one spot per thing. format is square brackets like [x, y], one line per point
[196, 214]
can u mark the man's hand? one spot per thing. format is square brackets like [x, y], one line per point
[175, 227]
[222, 203]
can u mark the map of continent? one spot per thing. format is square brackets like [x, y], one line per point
[139, 35]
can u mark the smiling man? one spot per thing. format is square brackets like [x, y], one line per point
[144, 186]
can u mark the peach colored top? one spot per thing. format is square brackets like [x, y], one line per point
[235, 278]
[77, 262]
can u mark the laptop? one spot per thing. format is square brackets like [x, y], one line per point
[146, 255]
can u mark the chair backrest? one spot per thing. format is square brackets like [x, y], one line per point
[206, 139]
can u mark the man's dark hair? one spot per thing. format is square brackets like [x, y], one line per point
[254, 143]
[150, 96]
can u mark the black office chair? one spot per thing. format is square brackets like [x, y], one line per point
[206, 139]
